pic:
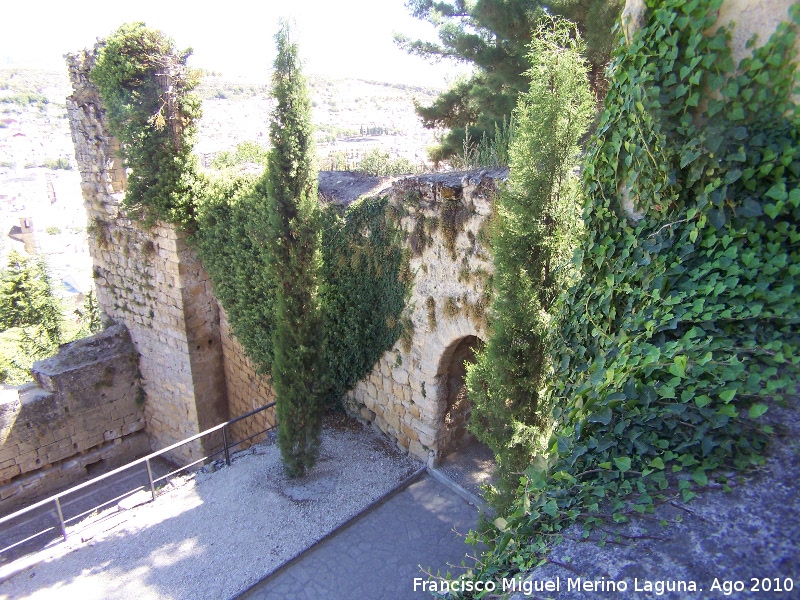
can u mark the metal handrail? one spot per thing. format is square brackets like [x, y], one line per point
[56, 498]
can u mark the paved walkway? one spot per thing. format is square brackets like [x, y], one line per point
[381, 553]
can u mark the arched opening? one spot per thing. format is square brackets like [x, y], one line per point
[453, 434]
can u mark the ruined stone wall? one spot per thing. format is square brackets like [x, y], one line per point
[150, 280]
[86, 412]
[247, 390]
[444, 218]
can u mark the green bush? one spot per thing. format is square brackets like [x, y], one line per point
[57, 163]
[245, 153]
[31, 315]
[146, 88]
[25, 99]
[380, 164]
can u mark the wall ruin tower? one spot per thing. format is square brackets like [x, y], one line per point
[149, 280]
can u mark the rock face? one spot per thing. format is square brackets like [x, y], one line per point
[86, 412]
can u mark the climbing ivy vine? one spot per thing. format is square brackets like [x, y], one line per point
[684, 325]
[146, 89]
[366, 284]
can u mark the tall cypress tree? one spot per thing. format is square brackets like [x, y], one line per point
[532, 241]
[292, 239]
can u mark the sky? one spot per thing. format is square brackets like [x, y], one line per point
[337, 38]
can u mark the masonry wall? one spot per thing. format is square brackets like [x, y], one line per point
[85, 411]
[247, 389]
[150, 280]
[444, 218]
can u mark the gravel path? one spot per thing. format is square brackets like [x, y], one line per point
[219, 533]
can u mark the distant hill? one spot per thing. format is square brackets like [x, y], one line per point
[352, 116]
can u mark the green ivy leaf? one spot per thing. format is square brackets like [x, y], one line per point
[757, 410]
[551, 508]
[700, 477]
[623, 463]
[777, 192]
[602, 416]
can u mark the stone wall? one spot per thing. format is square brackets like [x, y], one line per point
[85, 413]
[150, 280]
[247, 390]
[194, 372]
[409, 394]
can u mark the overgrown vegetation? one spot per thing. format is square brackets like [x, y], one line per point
[57, 163]
[532, 232]
[487, 151]
[25, 99]
[683, 325]
[246, 153]
[314, 293]
[381, 164]
[145, 85]
[366, 284]
[235, 256]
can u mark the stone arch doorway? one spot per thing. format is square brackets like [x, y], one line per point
[454, 403]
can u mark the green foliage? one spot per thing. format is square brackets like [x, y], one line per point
[146, 88]
[487, 152]
[89, 316]
[335, 161]
[493, 35]
[366, 283]
[314, 317]
[232, 247]
[31, 313]
[25, 99]
[57, 163]
[381, 164]
[533, 233]
[291, 236]
[26, 294]
[245, 153]
[364, 286]
[683, 326]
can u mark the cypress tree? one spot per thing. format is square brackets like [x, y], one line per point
[293, 244]
[532, 241]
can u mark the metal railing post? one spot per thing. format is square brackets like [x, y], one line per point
[61, 519]
[146, 459]
[225, 444]
[150, 477]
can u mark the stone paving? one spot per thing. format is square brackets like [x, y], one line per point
[471, 466]
[381, 553]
